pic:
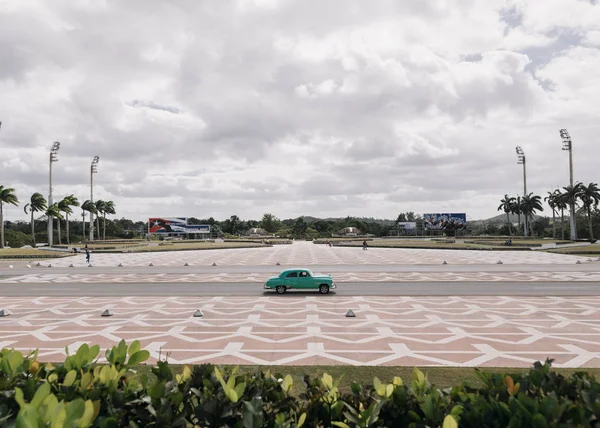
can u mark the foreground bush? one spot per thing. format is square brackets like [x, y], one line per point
[82, 393]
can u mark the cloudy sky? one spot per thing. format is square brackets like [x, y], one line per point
[297, 107]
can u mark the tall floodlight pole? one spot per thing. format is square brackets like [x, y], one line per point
[93, 170]
[53, 158]
[521, 160]
[568, 145]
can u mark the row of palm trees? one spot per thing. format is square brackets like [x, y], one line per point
[527, 206]
[38, 204]
[558, 200]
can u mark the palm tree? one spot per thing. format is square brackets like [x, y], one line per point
[36, 203]
[53, 211]
[516, 209]
[530, 204]
[551, 199]
[561, 204]
[108, 208]
[7, 196]
[90, 207]
[590, 196]
[100, 207]
[506, 205]
[65, 206]
[572, 194]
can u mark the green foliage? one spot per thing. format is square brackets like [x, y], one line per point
[83, 393]
[16, 239]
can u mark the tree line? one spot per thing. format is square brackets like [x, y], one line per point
[570, 197]
[60, 211]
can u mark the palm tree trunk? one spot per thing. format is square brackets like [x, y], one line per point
[83, 223]
[104, 227]
[562, 223]
[58, 230]
[589, 213]
[508, 222]
[98, 227]
[526, 226]
[32, 230]
[67, 222]
[1, 227]
[572, 223]
[553, 224]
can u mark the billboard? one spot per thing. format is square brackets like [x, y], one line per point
[176, 225]
[445, 221]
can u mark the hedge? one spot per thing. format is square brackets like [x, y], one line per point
[83, 393]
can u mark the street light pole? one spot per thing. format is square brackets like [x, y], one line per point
[521, 160]
[53, 158]
[93, 170]
[568, 145]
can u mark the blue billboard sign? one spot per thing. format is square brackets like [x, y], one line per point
[445, 221]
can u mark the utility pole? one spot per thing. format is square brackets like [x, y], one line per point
[568, 146]
[53, 158]
[521, 160]
[93, 170]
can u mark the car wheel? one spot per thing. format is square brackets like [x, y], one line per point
[280, 289]
[323, 289]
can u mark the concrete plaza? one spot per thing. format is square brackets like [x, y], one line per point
[254, 328]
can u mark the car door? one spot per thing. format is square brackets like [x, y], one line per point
[305, 280]
[291, 279]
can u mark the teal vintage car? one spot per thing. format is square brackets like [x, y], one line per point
[300, 279]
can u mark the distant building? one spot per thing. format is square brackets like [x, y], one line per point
[257, 232]
[349, 231]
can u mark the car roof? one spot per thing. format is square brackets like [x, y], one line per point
[295, 270]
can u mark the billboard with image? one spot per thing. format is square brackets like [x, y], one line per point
[445, 221]
[174, 225]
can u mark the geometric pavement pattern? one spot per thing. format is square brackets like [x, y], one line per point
[424, 331]
[307, 253]
[338, 277]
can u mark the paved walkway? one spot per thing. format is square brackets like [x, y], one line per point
[437, 331]
[307, 253]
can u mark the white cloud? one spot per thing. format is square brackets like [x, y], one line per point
[321, 108]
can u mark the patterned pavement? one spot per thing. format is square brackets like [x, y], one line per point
[307, 253]
[423, 331]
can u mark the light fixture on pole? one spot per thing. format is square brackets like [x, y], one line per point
[93, 170]
[568, 146]
[53, 158]
[522, 160]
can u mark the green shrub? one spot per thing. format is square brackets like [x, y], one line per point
[80, 392]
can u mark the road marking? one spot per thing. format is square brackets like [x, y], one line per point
[50, 288]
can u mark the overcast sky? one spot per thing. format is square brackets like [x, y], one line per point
[307, 107]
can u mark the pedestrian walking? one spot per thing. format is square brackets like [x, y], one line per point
[87, 256]
[365, 245]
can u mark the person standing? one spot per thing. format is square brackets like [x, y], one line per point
[87, 256]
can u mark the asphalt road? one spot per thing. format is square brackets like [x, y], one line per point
[478, 288]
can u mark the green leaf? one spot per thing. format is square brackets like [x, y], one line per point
[138, 357]
[301, 420]
[389, 390]
[539, 421]
[340, 424]
[158, 390]
[74, 411]
[27, 418]
[15, 359]
[42, 392]
[397, 381]
[121, 352]
[287, 383]
[19, 397]
[379, 387]
[86, 380]
[93, 353]
[232, 395]
[134, 347]
[450, 422]
[239, 389]
[70, 378]
[327, 381]
[87, 418]
[109, 423]
[81, 356]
